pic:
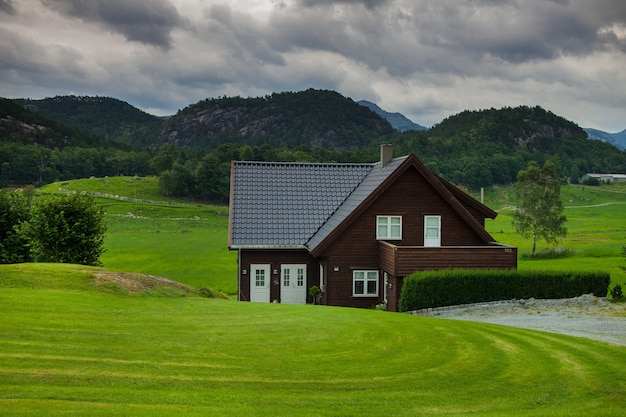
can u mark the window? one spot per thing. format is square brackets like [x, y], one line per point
[365, 283]
[260, 278]
[389, 227]
[432, 230]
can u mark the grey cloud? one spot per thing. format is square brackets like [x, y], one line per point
[367, 3]
[25, 63]
[149, 21]
[239, 36]
[449, 36]
[6, 6]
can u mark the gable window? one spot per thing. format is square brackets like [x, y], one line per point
[389, 227]
[365, 283]
[432, 230]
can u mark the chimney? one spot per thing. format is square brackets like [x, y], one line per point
[386, 154]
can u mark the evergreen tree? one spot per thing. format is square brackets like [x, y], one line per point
[539, 211]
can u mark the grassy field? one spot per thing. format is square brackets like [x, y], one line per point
[71, 345]
[182, 241]
[187, 242]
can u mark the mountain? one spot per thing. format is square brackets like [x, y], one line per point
[313, 118]
[616, 139]
[19, 125]
[491, 146]
[473, 148]
[106, 117]
[397, 120]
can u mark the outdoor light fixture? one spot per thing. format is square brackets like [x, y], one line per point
[336, 269]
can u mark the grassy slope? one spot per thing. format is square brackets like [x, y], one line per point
[68, 347]
[192, 248]
[168, 237]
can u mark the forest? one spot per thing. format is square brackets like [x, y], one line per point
[473, 148]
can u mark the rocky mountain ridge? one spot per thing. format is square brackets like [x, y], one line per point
[397, 120]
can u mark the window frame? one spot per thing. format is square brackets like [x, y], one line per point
[388, 226]
[365, 279]
[428, 240]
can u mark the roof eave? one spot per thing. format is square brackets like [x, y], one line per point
[238, 247]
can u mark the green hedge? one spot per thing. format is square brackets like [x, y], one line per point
[453, 287]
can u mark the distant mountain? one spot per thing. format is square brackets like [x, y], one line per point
[616, 139]
[397, 120]
[313, 118]
[106, 117]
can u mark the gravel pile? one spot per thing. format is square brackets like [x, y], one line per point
[584, 316]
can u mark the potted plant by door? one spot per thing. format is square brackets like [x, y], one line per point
[315, 292]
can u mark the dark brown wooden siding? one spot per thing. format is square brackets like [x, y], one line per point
[404, 260]
[411, 197]
[275, 258]
[393, 293]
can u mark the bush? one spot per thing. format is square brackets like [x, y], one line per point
[65, 229]
[453, 287]
[617, 294]
[14, 210]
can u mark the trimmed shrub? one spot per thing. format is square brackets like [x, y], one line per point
[459, 286]
[617, 295]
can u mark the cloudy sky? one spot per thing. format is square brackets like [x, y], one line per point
[427, 59]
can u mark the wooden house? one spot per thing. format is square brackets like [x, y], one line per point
[354, 230]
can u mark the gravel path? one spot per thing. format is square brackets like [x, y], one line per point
[584, 316]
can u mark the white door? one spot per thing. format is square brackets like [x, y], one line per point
[432, 230]
[293, 284]
[260, 283]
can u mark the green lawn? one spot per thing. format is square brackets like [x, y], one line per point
[71, 347]
[187, 242]
[596, 223]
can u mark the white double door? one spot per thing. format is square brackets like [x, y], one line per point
[293, 284]
[293, 288]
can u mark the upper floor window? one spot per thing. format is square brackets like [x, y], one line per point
[389, 227]
[432, 230]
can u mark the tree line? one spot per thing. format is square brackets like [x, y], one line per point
[197, 174]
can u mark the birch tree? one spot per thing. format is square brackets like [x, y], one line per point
[539, 211]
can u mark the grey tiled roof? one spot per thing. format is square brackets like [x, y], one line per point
[374, 178]
[284, 204]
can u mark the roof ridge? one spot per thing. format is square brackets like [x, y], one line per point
[305, 163]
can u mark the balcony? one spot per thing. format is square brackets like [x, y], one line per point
[401, 261]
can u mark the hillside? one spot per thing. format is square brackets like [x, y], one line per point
[480, 148]
[37, 150]
[19, 125]
[313, 118]
[105, 117]
[397, 120]
[472, 148]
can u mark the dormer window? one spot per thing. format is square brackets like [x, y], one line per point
[389, 227]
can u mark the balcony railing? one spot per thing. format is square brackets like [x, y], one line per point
[401, 261]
